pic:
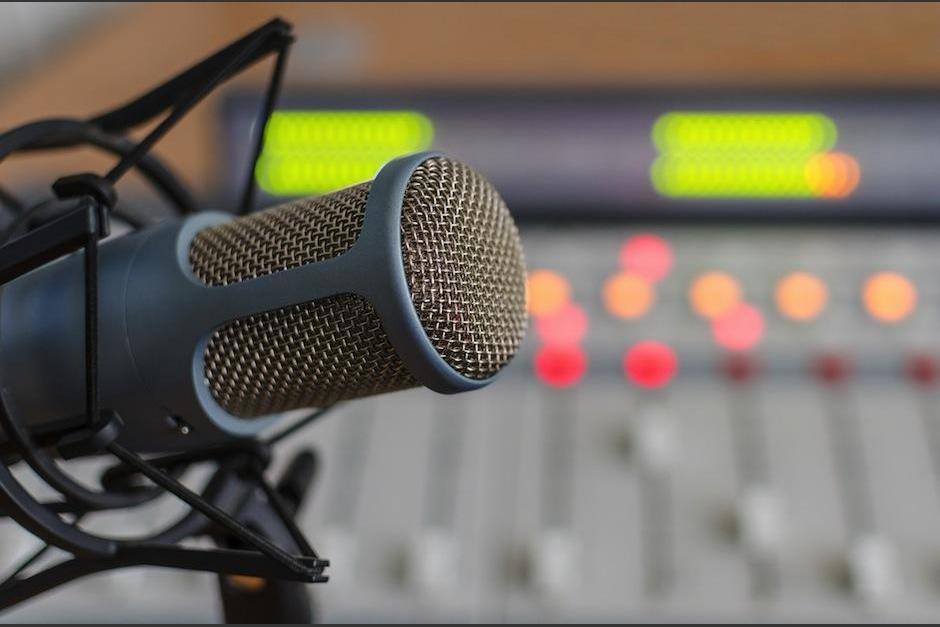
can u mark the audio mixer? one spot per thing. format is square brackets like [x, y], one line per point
[727, 406]
[793, 479]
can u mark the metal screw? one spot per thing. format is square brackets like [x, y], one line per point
[179, 425]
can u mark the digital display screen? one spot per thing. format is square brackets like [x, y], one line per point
[620, 154]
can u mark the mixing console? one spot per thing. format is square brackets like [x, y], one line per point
[708, 423]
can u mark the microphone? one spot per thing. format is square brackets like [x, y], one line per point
[192, 336]
[213, 326]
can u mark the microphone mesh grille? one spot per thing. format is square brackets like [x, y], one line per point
[287, 236]
[308, 355]
[463, 263]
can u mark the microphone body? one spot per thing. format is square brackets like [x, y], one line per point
[219, 325]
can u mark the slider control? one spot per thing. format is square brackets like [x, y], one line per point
[343, 507]
[650, 367]
[657, 442]
[873, 572]
[870, 561]
[759, 520]
[340, 544]
[757, 513]
[436, 561]
[554, 561]
[554, 554]
[657, 453]
[435, 553]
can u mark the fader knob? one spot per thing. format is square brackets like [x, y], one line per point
[554, 562]
[656, 440]
[435, 561]
[759, 520]
[872, 569]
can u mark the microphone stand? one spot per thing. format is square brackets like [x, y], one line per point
[262, 557]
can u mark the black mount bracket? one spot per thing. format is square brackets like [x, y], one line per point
[251, 520]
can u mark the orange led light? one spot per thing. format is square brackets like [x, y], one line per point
[546, 292]
[246, 583]
[801, 296]
[628, 295]
[832, 174]
[713, 294]
[889, 297]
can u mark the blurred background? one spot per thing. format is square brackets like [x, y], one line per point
[726, 407]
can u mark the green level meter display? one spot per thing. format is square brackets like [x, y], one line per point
[317, 152]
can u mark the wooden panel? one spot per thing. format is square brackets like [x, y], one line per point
[485, 43]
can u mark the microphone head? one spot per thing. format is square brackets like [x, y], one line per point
[457, 249]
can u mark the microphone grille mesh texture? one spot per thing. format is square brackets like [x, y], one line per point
[463, 264]
[308, 355]
[287, 236]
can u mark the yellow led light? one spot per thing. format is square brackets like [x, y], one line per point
[693, 131]
[317, 152]
[749, 155]
[729, 176]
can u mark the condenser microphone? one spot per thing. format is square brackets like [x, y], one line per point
[214, 326]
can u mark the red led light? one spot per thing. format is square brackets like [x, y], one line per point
[923, 370]
[832, 369]
[647, 255]
[650, 365]
[740, 368]
[568, 325]
[740, 329]
[560, 366]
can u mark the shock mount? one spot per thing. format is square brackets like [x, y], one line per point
[250, 520]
